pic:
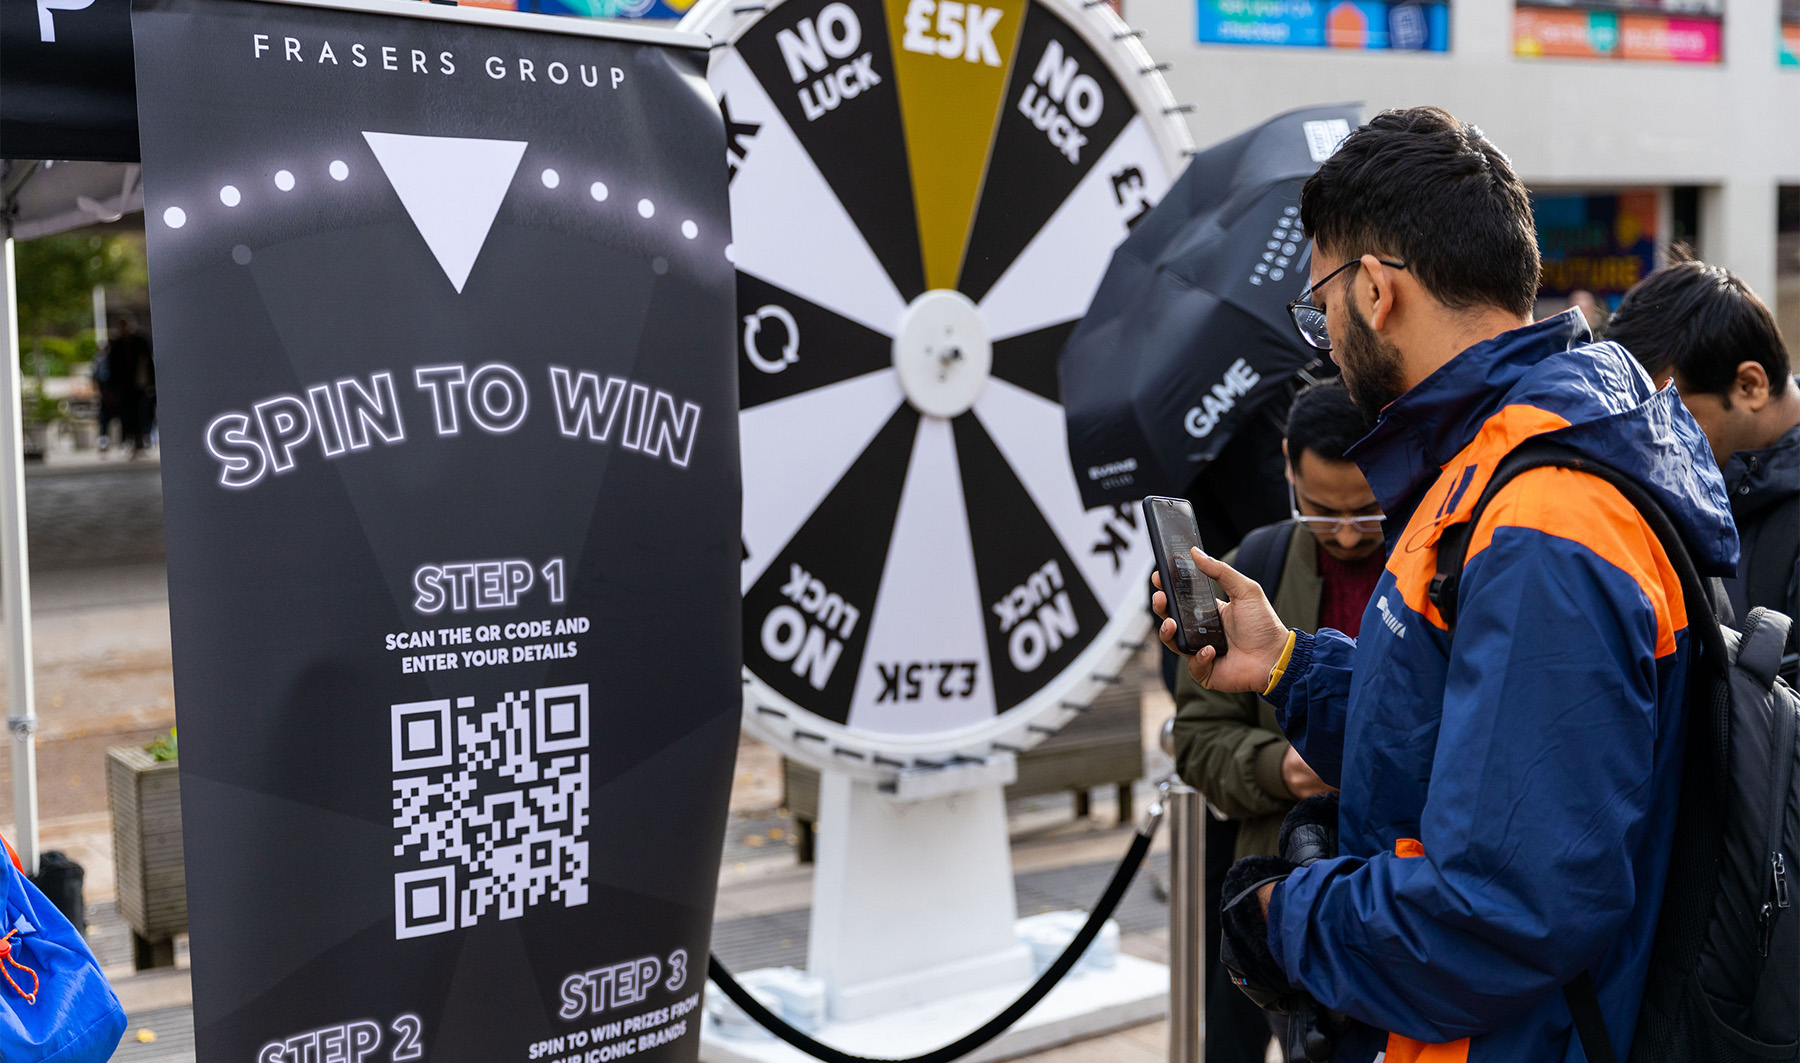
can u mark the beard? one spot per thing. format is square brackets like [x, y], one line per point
[1370, 365]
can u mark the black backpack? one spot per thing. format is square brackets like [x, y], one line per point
[1724, 981]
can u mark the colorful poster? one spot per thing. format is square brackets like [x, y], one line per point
[1565, 34]
[446, 341]
[633, 9]
[1602, 243]
[1790, 44]
[1680, 40]
[1355, 24]
[1622, 32]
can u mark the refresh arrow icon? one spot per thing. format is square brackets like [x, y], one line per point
[790, 348]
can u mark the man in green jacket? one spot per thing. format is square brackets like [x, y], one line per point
[1326, 561]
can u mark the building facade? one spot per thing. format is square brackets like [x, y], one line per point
[1636, 123]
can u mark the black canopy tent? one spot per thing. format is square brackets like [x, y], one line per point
[67, 82]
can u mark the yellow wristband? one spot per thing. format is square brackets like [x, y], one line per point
[1275, 673]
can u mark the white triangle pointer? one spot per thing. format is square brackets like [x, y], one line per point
[451, 187]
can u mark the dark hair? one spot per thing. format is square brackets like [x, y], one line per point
[1700, 321]
[1421, 186]
[1324, 421]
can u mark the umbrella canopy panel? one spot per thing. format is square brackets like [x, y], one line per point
[1189, 333]
[924, 195]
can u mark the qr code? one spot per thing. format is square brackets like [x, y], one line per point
[492, 807]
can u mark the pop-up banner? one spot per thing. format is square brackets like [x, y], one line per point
[445, 358]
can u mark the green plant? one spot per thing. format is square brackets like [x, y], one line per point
[164, 748]
[43, 409]
[57, 275]
[60, 353]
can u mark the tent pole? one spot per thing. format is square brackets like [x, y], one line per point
[15, 577]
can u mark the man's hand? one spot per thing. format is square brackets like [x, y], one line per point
[1255, 635]
[1301, 780]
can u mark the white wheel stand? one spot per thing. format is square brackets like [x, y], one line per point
[915, 935]
[913, 900]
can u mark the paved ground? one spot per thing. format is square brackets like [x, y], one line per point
[88, 513]
[100, 616]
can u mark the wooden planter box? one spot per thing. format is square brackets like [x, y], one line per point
[145, 795]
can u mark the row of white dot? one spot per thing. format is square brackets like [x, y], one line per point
[175, 217]
[598, 190]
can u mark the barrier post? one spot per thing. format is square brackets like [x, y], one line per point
[15, 588]
[1187, 892]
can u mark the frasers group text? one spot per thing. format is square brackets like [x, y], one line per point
[406, 60]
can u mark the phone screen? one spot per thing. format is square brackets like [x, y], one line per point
[1192, 595]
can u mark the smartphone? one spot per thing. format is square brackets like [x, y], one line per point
[1193, 598]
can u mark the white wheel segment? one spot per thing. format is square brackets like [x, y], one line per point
[1064, 262]
[916, 229]
[1108, 545]
[787, 225]
[918, 675]
[803, 446]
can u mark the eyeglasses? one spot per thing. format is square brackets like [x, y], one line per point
[1365, 525]
[1310, 319]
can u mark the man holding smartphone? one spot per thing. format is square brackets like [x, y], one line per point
[1508, 796]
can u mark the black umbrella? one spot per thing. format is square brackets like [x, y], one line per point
[1189, 330]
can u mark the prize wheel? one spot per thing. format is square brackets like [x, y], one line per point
[924, 195]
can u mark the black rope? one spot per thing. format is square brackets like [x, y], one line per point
[994, 1027]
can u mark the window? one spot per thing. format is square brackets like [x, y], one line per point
[1597, 242]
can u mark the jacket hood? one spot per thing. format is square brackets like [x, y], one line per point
[1755, 480]
[1615, 415]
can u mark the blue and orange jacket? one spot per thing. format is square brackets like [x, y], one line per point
[1508, 799]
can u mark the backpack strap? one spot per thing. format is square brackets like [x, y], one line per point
[1263, 554]
[1538, 453]
[1584, 1007]
[1765, 634]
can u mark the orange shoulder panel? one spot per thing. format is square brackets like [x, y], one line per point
[1452, 499]
[1587, 510]
[1406, 1050]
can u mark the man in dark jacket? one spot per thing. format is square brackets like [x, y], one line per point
[1507, 797]
[1328, 559]
[1704, 327]
[1321, 564]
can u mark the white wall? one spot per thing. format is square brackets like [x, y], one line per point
[1733, 128]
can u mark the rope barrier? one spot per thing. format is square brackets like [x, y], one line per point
[994, 1027]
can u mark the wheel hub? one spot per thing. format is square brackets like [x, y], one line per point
[942, 353]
